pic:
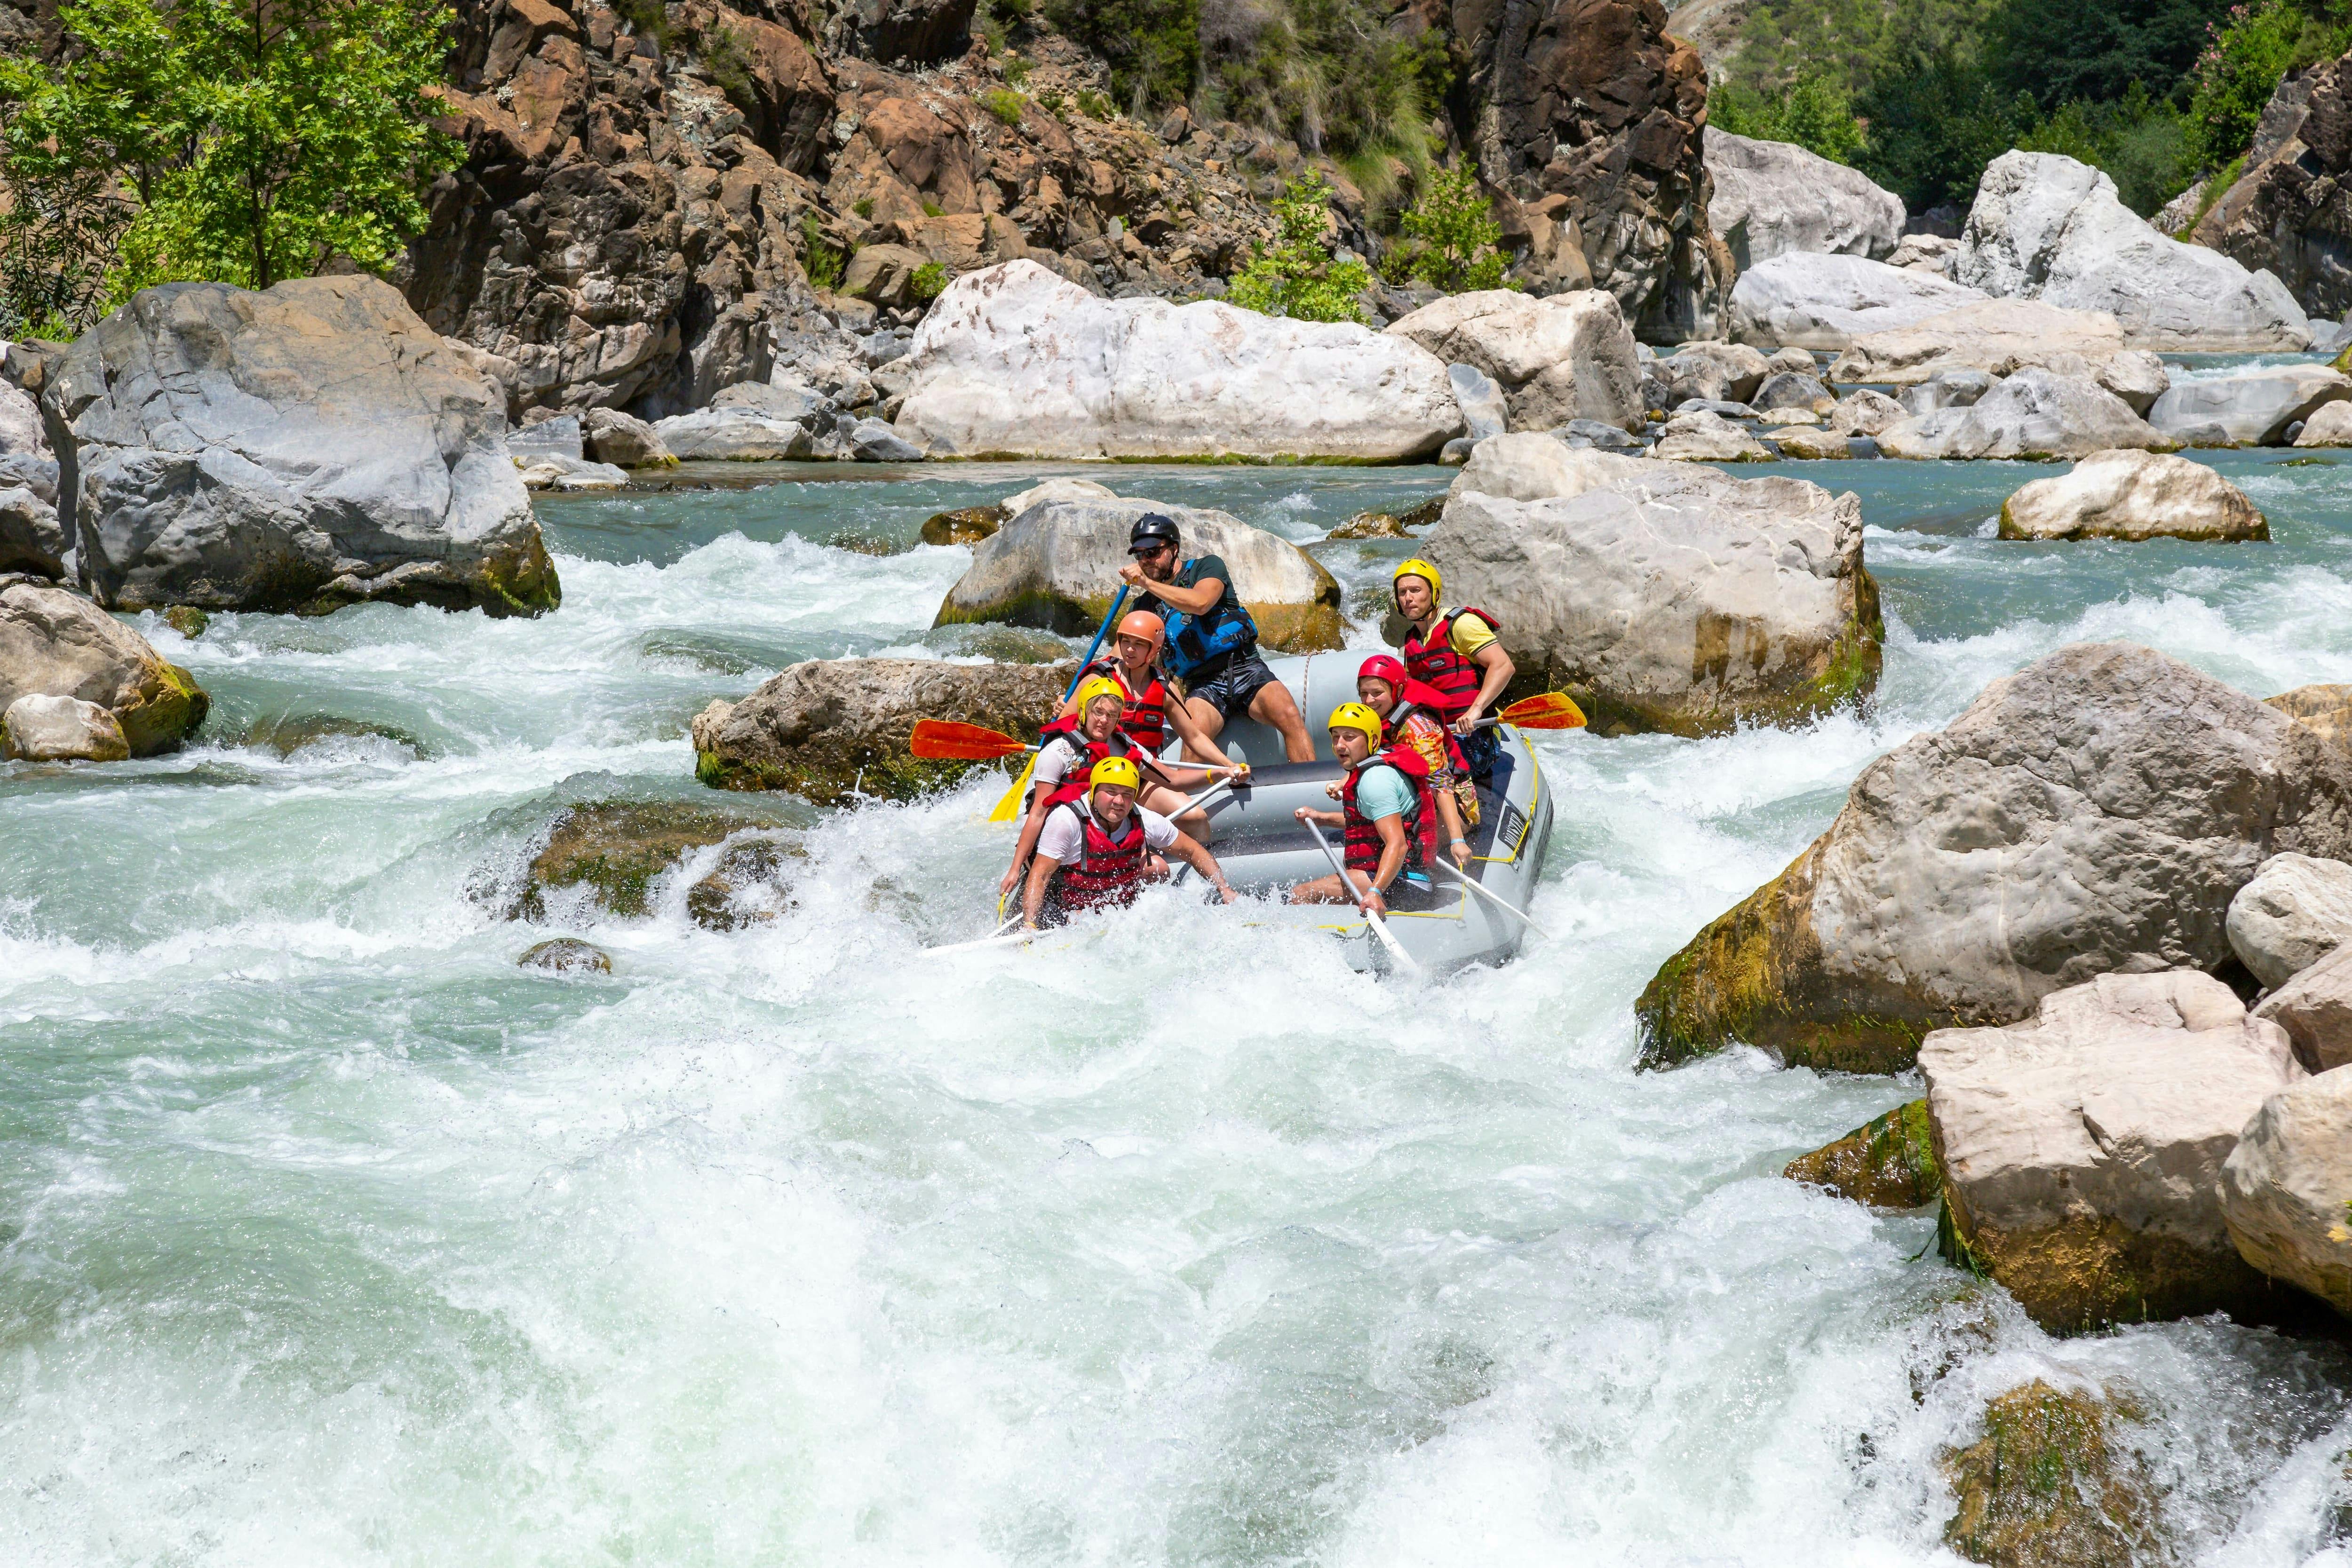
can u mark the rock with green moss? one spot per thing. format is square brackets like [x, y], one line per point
[1889, 1162]
[1056, 566]
[834, 729]
[2093, 813]
[54, 642]
[1664, 597]
[965, 525]
[618, 848]
[2046, 1485]
[187, 620]
[1371, 526]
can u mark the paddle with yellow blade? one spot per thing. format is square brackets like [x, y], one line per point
[1546, 710]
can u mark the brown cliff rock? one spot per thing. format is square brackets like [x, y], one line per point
[2290, 209]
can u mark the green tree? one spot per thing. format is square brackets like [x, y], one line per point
[1458, 239]
[251, 140]
[2234, 77]
[1298, 276]
[1813, 112]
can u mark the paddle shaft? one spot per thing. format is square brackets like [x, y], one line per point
[1490, 895]
[1371, 917]
[1094, 647]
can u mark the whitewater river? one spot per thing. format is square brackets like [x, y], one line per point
[330, 1235]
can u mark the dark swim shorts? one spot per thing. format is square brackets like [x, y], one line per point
[1232, 688]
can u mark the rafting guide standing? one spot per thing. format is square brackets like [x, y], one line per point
[1211, 642]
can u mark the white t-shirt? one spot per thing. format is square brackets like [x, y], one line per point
[1063, 838]
[1054, 760]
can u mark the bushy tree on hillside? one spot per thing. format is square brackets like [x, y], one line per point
[2059, 52]
[2245, 56]
[1813, 112]
[1299, 275]
[244, 141]
[1453, 240]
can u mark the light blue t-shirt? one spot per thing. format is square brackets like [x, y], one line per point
[1383, 791]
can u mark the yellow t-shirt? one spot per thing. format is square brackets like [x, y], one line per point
[1466, 634]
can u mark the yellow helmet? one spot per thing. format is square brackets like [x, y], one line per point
[1356, 716]
[1099, 687]
[1116, 770]
[1425, 570]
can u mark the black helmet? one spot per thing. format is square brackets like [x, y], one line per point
[1151, 530]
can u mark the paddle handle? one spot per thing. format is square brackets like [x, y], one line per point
[1347, 884]
[1490, 895]
[1094, 647]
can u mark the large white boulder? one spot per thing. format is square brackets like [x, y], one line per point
[734, 434]
[2328, 425]
[1663, 596]
[2315, 1007]
[2253, 406]
[2083, 1150]
[2001, 337]
[2093, 813]
[2296, 910]
[1014, 360]
[1802, 301]
[1708, 370]
[1774, 197]
[2131, 494]
[2286, 1187]
[311, 445]
[2033, 414]
[61, 729]
[2047, 227]
[1557, 358]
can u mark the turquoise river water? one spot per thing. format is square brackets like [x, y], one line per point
[330, 1235]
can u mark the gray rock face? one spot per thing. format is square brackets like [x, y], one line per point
[55, 644]
[2046, 228]
[2315, 1007]
[2093, 814]
[1702, 436]
[1481, 402]
[557, 437]
[2296, 910]
[1864, 413]
[2254, 406]
[1561, 356]
[2331, 425]
[1947, 389]
[875, 441]
[1825, 302]
[2033, 414]
[1788, 389]
[2285, 1186]
[2083, 1150]
[1714, 371]
[734, 434]
[1773, 197]
[2000, 338]
[549, 472]
[312, 444]
[1661, 597]
[31, 537]
[2132, 496]
[61, 729]
[623, 440]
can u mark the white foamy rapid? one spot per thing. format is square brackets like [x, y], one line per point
[332, 1237]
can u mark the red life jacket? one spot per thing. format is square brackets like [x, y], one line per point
[1420, 818]
[1144, 720]
[1432, 660]
[1110, 865]
[1075, 782]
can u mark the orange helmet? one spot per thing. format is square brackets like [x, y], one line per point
[1144, 625]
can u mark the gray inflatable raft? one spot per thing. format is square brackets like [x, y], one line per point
[1265, 850]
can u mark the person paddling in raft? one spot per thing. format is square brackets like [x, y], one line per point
[1455, 654]
[1133, 667]
[1098, 851]
[1408, 716]
[1211, 642]
[1068, 748]
[1387, 815]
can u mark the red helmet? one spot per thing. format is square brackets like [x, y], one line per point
[1381, 667]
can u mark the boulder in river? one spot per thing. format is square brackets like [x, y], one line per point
[35, 728]
[2132, 496]
[835, 729]
[567, 955]
[1889, 1162]
[2329, 426]
[1713, 371]
[56, 643]
[2050, 1484]
[2093, 813]
[1806, 301]
[1806, 442]
[734, 434]
[616, 850]
[2286, 1186]
[309, 445]
[2296, 910]
[625, 441]
[2082, 1150]
[1014, 362]
[1773, 197]
[964, 525]
[2254, 406]
[2034, 413]
[2315, 1007]
[1702, 436]
[2046, 228]
[1864, 411]
[1664, 597]
[2000, 338]
[1557, 358]
[1056, 566]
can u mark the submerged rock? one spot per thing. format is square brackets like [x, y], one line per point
[2093, 813]
[1056, 566]
[1664, 597]
[2082, 1151]
[1557, 358]
[1012, 360]
[1825, 302]
[748, 886]
[617, 849]
[834, 729]
[59, 645]
[287, 733]
[36, 728]
[2295, 910]
[2132, 496]
[2047, 1486]
[2283, 1191]
[567, 955]
[2035, 414]
[1371, 526]
[309, 445]
[1889, 1162]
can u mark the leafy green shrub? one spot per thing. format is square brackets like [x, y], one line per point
[1056, 102]
[1016, 70]
[727, 64]
[1458, 239]
[929, 281]
[1329, 73]
[933, 210]
[2234, 77]
[1153, 47]
[1003, 103]
[1298, 276]
[1813, 112]
[822, 262]
[1094, 105]
[863, 206]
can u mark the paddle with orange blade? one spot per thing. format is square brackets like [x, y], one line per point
[1546, 710]
[945, 740]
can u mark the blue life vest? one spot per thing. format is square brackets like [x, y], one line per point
[1194, 640]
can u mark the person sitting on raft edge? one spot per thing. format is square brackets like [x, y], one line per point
[1454, 652]
[1133, 667]
[1212, 640]
[1387, 816]
[1068, 748]
[1097, 852]
[1408, 715]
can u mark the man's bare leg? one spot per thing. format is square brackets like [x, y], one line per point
[1274, 706]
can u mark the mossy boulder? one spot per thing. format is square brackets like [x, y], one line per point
[287, 733]
[1056, 566]
[1371, 526]
[965, 525]
[54, 642]
[1889, 1162]
[2093, 813]
[617, 849]
[2048, 1486]
[187, 620]
[833, 730]
[748, 886]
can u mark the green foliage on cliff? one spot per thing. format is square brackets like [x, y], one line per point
[1811, 112]
[1298, 276]
[1452, 241]
[235, 140]
[1152, 46]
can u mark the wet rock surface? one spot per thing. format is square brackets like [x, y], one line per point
[1889, 1162]
[617, 849]
[2048, 1484]
[2284, 1190]
[2133, 496]
[55, 644]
